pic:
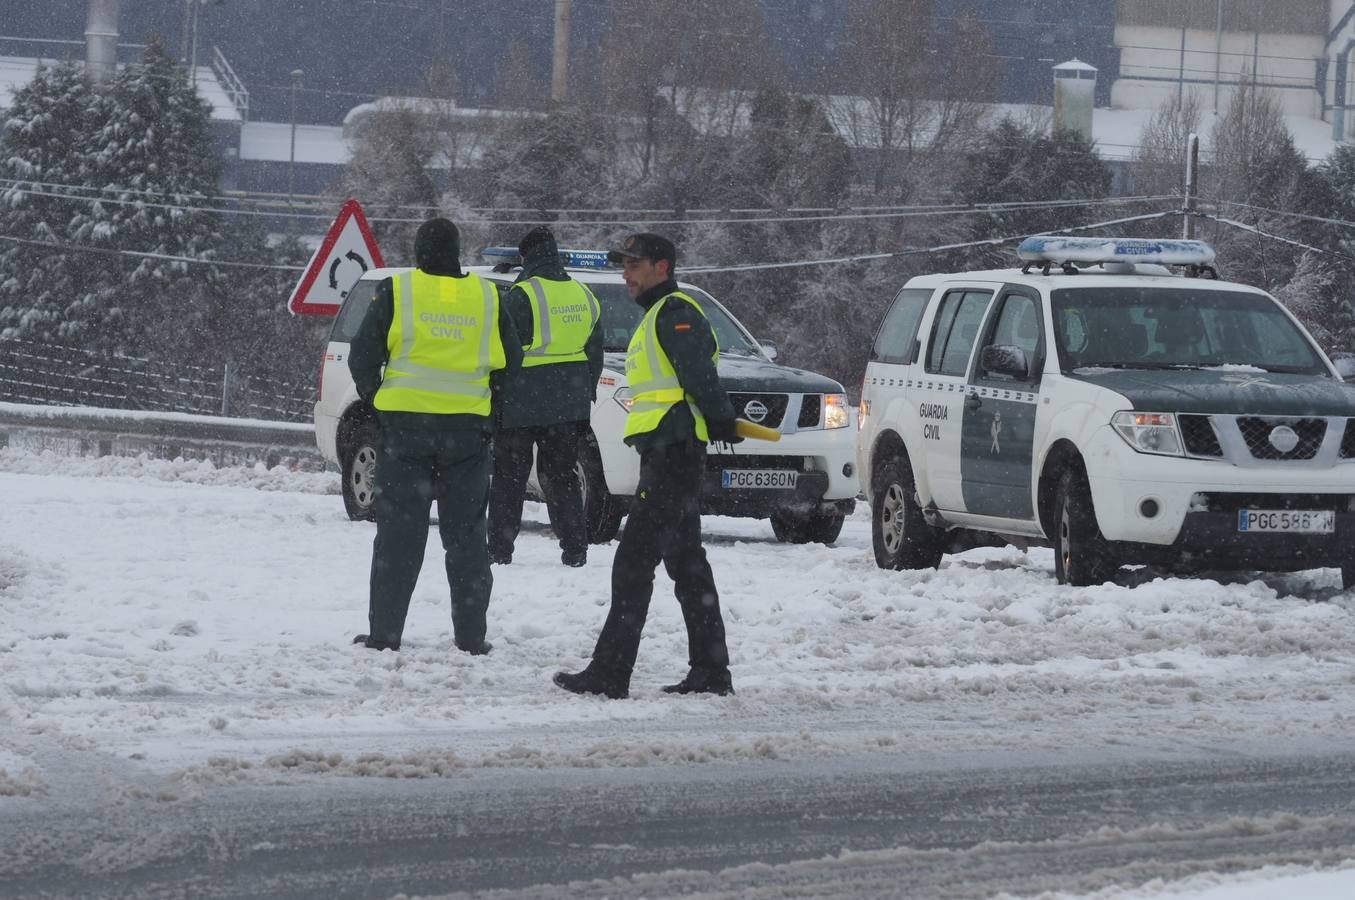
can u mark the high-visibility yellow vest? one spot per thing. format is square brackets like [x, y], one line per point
[444, 341]
[653, 381]
[563, 316]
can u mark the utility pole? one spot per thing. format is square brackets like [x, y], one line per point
[560, 64]
[291, 158]
[1218, 50]
[1181, 64]
[1188, 204]
[183, 35]
[193, 50]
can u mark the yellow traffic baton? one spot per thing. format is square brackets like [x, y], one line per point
[746, 429]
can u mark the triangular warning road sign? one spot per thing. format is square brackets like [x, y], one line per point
[347, 251]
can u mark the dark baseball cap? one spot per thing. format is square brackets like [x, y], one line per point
[644, 245]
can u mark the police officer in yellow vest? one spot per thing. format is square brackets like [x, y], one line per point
[677, 406]
[439, 334]
[546, 404]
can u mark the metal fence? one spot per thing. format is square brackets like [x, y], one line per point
[58, 375]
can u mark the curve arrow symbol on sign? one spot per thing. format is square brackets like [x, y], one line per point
[323, 286]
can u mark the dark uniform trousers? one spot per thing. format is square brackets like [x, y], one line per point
[664, 523]
[557, 458]
[416, 467]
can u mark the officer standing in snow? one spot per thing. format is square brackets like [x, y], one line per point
[439, 333]
[677, 406]
[546, 403]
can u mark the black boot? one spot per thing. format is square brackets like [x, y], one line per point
[703, 681]
[372, 643]
[480, 649]
[590, 681]
[574, 558]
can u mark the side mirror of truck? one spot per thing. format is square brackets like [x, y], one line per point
[1005, 359]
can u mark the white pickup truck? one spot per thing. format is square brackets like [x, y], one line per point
[806, 483]
[1096, 401]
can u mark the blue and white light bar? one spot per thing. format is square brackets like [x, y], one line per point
[1090, 251]
[574, 259]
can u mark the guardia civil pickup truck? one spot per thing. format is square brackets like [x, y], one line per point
[1115, 400]
[806, 484]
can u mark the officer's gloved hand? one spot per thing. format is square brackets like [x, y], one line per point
[722, 431]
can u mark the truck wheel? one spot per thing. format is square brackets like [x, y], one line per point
[359, 473]
[1347, 576]
[806, 528]
[601, 511]
[1082, 555]
[900, 535]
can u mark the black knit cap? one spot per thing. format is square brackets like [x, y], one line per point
[645, 245]
[540, 241]
[437, 246]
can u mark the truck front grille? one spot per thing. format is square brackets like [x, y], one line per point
[775, 404]
[1199, 436]
[811, 407]
[1256, 432]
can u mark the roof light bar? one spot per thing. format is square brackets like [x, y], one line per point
[1090, 251]
[574, 259]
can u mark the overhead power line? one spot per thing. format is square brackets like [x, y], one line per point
[631, 216]
[750, 267]
[494, 218]
[1322, 220]
[1243, 226]
[77, 248]
[113, 251]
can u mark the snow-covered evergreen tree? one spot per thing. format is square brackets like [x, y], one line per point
[156, 169]
[43, 148]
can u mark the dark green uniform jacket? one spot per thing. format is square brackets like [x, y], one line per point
[555, 393]
[689, 348]
[368, 353]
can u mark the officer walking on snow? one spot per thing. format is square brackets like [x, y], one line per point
[677, 406]
[546, 403]
[439, 333]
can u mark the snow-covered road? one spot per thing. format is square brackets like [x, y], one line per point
[168, 630]
[173, 614]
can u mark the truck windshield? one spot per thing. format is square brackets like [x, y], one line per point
[621, 315]
[1164, 328]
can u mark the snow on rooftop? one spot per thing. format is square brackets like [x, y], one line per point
[1075, 65]
[430, 106]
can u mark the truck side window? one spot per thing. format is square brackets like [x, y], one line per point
[953, 334]
[355, 305]
[1018, 325]
[896, 341]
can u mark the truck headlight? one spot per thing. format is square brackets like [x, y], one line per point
[1149, 432]
[836, 413]
[623, 398]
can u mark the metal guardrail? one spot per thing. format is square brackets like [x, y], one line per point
[45, 373]
[89, 431]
